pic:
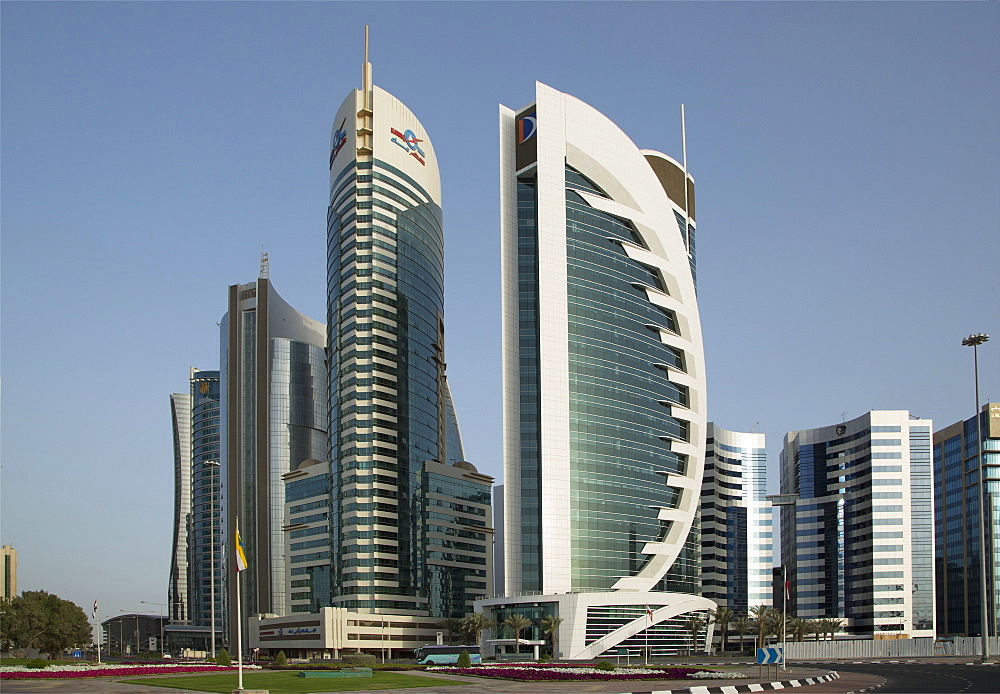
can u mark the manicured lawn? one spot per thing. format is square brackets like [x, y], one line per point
[290, 683]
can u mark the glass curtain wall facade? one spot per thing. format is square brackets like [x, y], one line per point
[389, 405]
[178, 596]
[274, 414]
[736, 533]
[958, 501]
[603, 368]
[204, 522]
[858, 545]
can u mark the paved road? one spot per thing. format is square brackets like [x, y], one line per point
[926, 678]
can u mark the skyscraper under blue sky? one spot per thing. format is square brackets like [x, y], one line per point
[391, 414]
[604, 381]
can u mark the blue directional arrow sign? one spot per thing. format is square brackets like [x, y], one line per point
[768, 656]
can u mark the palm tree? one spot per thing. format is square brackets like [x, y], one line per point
[452, 626]
[799, 627]
[473, 625]
[722, 616]
[550, 625]
[694, 626]
[517, 624]
[832, 626]
[742, 625]
[763, 619]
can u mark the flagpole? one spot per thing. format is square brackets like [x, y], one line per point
[100, 633]
[239, 618]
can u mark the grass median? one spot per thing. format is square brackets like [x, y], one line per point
[287, 682]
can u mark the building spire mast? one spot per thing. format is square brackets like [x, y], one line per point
[365, 114]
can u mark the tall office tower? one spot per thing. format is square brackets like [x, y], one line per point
[274, 418]
[196, 496]
[8, 591]
[736, 533]
[179, 609]
[205, 540]
[390, 408]
[958, 502]
[604, 381]
[858, 544]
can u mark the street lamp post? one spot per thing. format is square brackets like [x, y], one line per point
[211, 532]
[974, 341]
[164, 606]
[783, 500]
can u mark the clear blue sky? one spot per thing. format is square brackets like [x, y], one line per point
[847, 159]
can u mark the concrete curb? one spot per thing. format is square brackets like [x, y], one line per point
[738, 688]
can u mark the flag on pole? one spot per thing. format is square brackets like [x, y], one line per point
[241, 557]
[788, 591]
[95, 609]
[649, 613]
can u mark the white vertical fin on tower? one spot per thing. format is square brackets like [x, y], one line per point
[684, 165]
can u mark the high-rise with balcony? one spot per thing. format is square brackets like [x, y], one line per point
[604, 382]
[858, 544]
[736, 533]
[391, 418]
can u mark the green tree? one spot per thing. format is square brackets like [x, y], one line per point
[763, 621]
[694, 626]
[222, 658]
[517, 623]
[473, 625]
[452, 626]
[281, 659]
[550, 626]
[799, 627]
[722, 616]
[37, 619]
[464, 659]
[742, 624]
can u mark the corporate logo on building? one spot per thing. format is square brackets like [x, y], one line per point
[339, 139]
[527, 126]
[409, 143]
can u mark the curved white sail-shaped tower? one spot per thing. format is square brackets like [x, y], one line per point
[604, 382]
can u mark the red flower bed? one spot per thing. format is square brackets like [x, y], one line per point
[111, 672]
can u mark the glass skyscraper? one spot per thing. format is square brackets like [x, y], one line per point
[274, 405]
[197, 513]
[391, 417]
[858, 544]
[604, 380]
[958, 501]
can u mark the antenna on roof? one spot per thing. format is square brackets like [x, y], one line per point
[265, 267]
[366, 75]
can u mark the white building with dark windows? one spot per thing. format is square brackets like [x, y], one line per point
[604, 383]
[736, 534]
[858, 545]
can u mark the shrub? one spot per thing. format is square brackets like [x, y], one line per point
[282, 659]
[37, 663]
[545, 658]
[223, 658]
[464, 659]
[358, 659]
[604, 665]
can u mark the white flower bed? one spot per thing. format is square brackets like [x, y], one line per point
[717, 676]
